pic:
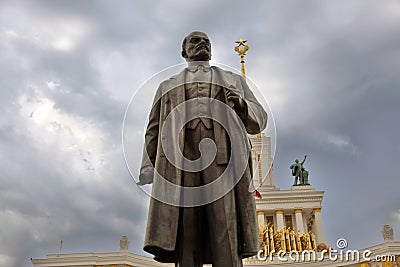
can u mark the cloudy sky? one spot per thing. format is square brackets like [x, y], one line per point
[329, 70]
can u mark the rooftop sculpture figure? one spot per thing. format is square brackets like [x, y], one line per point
[299, 172]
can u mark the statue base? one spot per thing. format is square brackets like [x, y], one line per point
[302, 187]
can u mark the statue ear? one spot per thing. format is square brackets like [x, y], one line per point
[183, 53]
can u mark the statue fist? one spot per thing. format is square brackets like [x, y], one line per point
[237, 103]
[145, 178]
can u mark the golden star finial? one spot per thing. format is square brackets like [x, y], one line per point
[241, 49]
[241, 42]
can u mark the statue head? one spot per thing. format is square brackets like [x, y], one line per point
[297, 161]
[196, 47]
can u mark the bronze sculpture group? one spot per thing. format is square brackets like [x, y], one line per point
[299, 172]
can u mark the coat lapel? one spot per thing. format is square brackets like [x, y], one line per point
[177, 86]
[216, 82]
[176, 90]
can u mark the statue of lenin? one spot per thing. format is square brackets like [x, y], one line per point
[225, 230]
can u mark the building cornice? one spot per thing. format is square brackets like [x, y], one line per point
[96, 259]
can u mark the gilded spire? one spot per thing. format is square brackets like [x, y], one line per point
[241, 49]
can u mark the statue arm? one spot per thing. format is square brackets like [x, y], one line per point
[255, 118]
[151, 143]
[304, 160]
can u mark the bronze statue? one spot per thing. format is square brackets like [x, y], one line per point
[223, 231]
[299, 172]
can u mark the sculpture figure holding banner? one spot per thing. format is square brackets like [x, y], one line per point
[197, 156]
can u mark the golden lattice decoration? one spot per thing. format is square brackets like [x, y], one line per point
[285, 239]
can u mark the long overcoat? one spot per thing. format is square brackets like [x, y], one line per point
[162, 223]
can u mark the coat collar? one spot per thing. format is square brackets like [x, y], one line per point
[177, 83]
[194, 66]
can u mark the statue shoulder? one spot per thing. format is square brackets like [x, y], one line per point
[226, 73]
[172, 81]
[229, 79]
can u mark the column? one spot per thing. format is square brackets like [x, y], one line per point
[261, 218]
[279, 219]
[299, 220]
[319, 230]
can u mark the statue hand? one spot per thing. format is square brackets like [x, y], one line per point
[144, 179]
[140, 183]
[237, 103]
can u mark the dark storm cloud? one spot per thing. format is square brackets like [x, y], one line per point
[328, 70]
[47, 194]
[340, 89]
[44, 200]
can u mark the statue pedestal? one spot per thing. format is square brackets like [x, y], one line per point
[302, 187]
